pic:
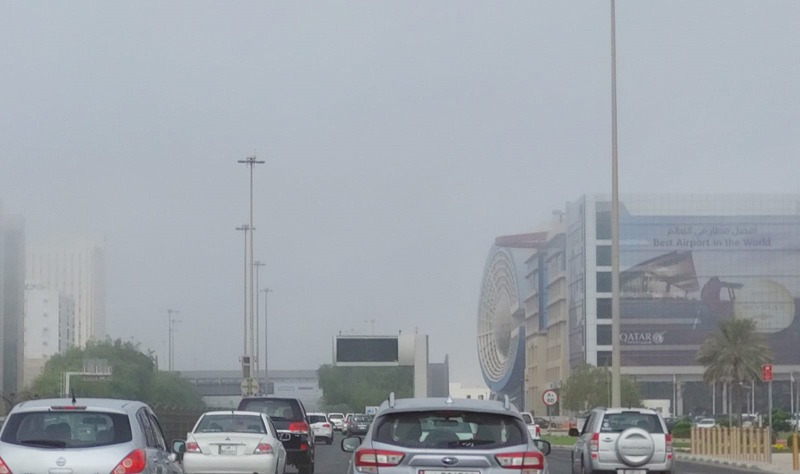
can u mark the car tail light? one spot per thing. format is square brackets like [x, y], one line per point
[523, 460]
[263, 448]
[668, 447]
[3, 468]
[369, 460]
[132, 463]
[538, 431]
[192, 447]
[298, 427]
[594, 444]
[326, 425]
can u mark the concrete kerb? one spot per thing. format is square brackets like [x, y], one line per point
[743, 465]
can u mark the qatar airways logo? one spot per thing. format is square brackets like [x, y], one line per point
[642, 338]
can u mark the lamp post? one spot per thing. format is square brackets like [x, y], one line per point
[257, 264]
[266, 344]
[251, 162]
[616, 395]
[245, 364]
[171, 338]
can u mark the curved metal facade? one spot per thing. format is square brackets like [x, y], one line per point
[501, 315]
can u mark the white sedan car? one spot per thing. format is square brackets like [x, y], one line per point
[706, 423]
[234, 442]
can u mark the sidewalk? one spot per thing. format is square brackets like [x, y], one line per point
[781, 462]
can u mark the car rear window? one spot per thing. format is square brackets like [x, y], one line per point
[450, 430]
[361, 418]
[230, 423]
[527, 418]
[337, 416]
[276, 408]
[57, 429]
[316, 419]
[619, 422]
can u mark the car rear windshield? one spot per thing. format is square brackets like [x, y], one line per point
[317, 419]
[528, 419]
[619, 422]
[276, 408]
[67, 429]
[362, 418]
[230, 423]
[450, 430]
[337, 416]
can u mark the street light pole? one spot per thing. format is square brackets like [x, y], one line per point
[171, 338]
[266, 344]
[245, 364]
[616, 396]
[257, 353]
[251, 162]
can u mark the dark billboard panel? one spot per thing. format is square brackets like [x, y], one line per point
[367, 350]
[682, 275]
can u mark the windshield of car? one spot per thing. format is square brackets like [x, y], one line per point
[335, 416]
[527, 418]
[450, 430]
[277, 409]
[67, 429]
[230, 423]
[361, 418]
[619, 422]
[317, 419]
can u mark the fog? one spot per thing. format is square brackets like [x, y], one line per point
[399, 139]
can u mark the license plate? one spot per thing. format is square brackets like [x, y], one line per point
[631, 471]
[428, 471]
[227, 449]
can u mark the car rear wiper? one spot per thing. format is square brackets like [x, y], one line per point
[52, 443]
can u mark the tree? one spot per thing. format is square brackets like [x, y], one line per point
[588, 387]
[359, 387]
[133, 376]
[734, 355]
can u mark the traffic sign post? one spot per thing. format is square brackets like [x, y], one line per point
[249, 387]
[766, 372]
[550, 398]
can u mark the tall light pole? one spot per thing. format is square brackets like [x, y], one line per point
[251, 162]
[266, 344]
[616, 395]
[245, 363]
[257, 353]
[171, 339]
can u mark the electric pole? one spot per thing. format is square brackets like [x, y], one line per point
[171, 339]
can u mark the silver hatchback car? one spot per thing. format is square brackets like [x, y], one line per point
[437, 435]
[89, 435]
[623, 441]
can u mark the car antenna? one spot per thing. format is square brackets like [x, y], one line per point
[391, 400]
[506, 402]
[74, 401]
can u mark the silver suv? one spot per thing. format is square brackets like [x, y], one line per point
[624, 441]
[84, 435]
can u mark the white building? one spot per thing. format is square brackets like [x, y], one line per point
[49, 328]
[75, 268]
[458, 390]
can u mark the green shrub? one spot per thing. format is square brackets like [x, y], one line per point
[681, 429]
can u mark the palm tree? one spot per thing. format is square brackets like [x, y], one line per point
[734, 355]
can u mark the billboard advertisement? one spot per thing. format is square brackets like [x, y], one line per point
[682, 275]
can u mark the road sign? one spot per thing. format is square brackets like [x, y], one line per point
[550, 397]
[249, 386]
[766, 372]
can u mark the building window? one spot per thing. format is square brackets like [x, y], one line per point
[604, 358]
[603, 308]
[603, 225]
[603, 335]
[603, 255]
[604, 282]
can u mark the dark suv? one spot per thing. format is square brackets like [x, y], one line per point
[291, 422]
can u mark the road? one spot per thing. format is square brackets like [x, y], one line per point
[332, 460]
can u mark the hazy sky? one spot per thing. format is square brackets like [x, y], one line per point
[400, 138]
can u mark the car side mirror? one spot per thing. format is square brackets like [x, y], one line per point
[543, 446]
[178, 448]
[574, 432]
[350, 444]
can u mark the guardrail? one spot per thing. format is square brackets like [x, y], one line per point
[741, 444]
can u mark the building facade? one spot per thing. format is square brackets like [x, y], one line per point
[75, 268]
[687, 262]
[49, 328]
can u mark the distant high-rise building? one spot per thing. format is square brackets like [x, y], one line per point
[12, 296]
[75, 268]
[49, 328]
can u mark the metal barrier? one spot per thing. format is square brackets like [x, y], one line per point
[741, 444]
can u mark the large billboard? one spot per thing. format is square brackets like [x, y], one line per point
[366, 350]
[682, 275]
